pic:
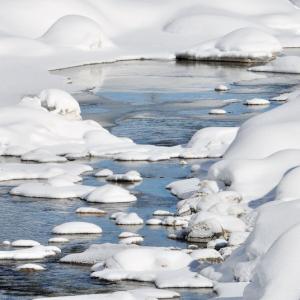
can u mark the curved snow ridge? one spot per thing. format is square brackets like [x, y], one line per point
[242, 45]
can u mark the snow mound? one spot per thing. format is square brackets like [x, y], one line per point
[285, 64]
[32, 253]
[76, 31]
[128, 219]
[242, 45]
[59, 102]
[30, 267]
[164, 267]
[110, 194]
[58, 240]
[131, 176]
[90, 211]
[132, 240]
[95, 254]
[217, 112]
[257, 101]
[104, 173]
[25, 243]
[77, 228]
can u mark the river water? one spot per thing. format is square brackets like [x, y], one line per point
[152, 102]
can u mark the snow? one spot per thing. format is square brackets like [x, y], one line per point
[127, 234]
[58, 240]
[95, 254]
[59, 102]
[30, 267]
[154, 222]
[283, 256]
[206, 255]
[132, 240]
[32, 253]
[138, 294]
[104, 173]
[25, 243]
[48, 190]
[284, 64]
[76, 31]
[128, 219]
[257, 101]
[90, 210]
[77, 228]
[130, 176]
[221, 88]
[217, 112]
[110, 194]
[16, 171]
[165, 267]
[160, 212]
[242, 45]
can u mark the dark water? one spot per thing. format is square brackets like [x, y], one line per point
[160, 103]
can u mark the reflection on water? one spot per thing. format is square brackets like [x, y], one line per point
[153, 102]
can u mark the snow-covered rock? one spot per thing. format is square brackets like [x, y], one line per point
[58, 240]
[110, 194]
[32, 253]
[30, 268]
[257, 101]
[90, 211]
[25, 243]
[77, 228]
[217, 112]
[104, 173]
[130, 176]
[128, 219]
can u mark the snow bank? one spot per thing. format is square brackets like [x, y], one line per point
[242, 45]
[76, 31]
[267, 133]
[275, 277]
[285, 64]
[76, 228]
[35, 133]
